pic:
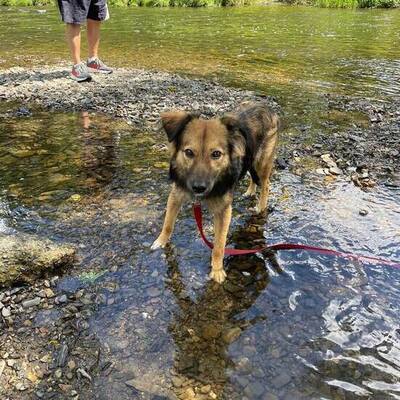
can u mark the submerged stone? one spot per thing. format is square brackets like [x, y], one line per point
[24, 258]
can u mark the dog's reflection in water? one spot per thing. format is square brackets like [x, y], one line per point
[204, 328]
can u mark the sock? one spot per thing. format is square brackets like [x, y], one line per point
[92, 59]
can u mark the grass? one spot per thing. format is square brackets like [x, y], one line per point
[346, 3]
[142, 3]
[221, 3]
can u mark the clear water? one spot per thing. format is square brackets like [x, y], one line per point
[323, 327]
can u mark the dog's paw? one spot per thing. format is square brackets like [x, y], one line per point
[258, 210]
[218, 275]
[248, 194]
[158, 244]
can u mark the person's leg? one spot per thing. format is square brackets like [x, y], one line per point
[73, 33]
[93, 37]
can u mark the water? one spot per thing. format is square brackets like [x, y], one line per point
[317, 328]
[321, 327]
[283, 50]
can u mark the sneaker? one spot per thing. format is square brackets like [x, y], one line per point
[96, 65]
[80, 73]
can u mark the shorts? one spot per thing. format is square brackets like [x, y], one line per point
[78, 11]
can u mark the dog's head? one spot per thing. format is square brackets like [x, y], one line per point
[207, 156]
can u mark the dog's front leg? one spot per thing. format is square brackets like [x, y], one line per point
[175, 201]
[222, 220]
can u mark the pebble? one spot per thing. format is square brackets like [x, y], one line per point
[62, 299]
[2, 366]
[335, 171]
[176, 381]
[363, 212]
[254, 390]
[205, 389]
[5, 312]
[282, 379]
[31, 303]
[153, 291]
[230, 335]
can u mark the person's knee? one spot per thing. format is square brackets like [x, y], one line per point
[73, 28]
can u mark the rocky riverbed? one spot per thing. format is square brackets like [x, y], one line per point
[356, 138]
[132, 324]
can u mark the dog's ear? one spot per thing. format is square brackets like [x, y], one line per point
[231, 121]
[174, 123]
[237, 141]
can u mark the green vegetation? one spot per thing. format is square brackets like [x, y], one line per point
[142, 3]
[346, 3]
[221, 3]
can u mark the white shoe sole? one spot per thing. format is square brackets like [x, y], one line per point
[87, 79]
[97, 71]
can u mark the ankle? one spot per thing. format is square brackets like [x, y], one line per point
[91, 59]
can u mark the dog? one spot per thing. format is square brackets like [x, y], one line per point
[208, 159]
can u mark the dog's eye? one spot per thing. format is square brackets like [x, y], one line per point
[189, 153]
[216, 154]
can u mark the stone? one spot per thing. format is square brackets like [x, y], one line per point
[205, 389]
[2, 366]
[58, 373]
[230, 335]
[153, 291]
[210, 332]
[62, 355]
[32, 302]
[281, 380]
[23, 258]
[6, 312]
[254, 390]
[335, 171]
[176, 381]
[363, 212]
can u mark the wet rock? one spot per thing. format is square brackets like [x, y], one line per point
[31, 303]
[269, 396]
[335, 171]
[24, 258]
[2, 366]
[230, 335]
[5, 312]
[153, 291]
[62, 355]
[205, 389]
[176, 381]
[210, 332]
[254, 390]
[281, 380]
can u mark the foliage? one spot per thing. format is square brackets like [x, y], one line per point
[347, 3]
[221, 3]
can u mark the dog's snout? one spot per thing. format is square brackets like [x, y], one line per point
[199, 188]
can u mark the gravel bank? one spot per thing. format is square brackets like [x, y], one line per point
[135, 95]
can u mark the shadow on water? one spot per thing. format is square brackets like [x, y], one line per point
[323, 328]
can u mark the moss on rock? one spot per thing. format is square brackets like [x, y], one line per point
[24, 258]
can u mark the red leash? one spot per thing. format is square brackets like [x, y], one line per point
[198, 215]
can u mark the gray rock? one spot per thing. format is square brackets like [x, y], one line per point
[24, 257]
[5, 312]
[62, 355]
[281, 380]
[31, 303]
[254, 390]
[230, 335]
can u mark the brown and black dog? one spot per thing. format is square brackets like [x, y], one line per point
[209, 157]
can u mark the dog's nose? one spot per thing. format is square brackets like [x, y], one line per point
[199, 188]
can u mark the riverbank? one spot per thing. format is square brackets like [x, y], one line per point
[124, 322]
[221, 3]
[364, 151]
